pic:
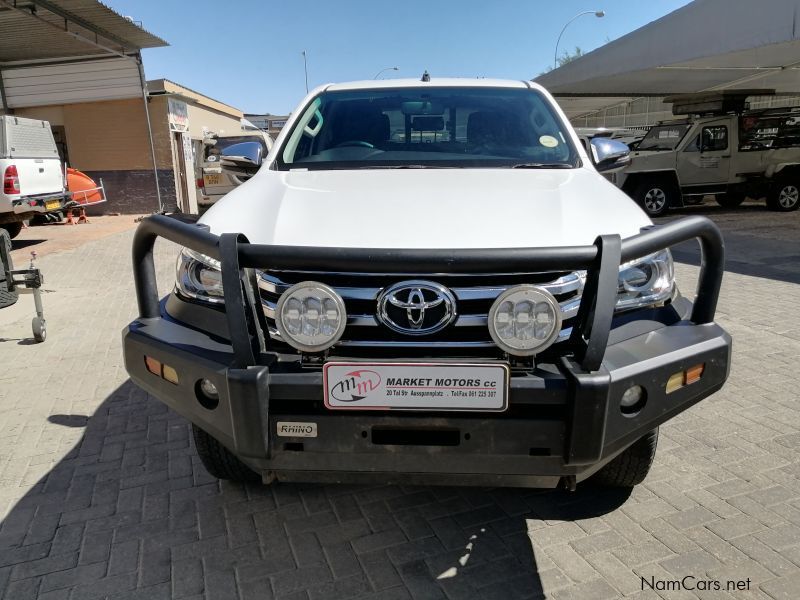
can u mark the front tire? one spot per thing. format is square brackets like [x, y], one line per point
[784, 196]
[656, 196]
[631, 466]
[219, 461]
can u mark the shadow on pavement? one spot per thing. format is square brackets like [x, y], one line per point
[131, 513]
[20, 244]
[69, 420]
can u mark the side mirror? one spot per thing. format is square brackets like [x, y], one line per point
[609, 155]
[242, 160]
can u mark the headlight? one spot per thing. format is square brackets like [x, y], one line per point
[310, 316]
[199, 276]
[524, 320]
[646, 281]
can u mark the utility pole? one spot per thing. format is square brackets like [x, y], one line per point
[305, 67]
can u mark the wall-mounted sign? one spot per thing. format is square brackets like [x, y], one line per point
[178, 115]
[277, 124]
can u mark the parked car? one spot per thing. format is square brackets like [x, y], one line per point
[729, 156]
[212, 181]
[478, 307]
[33, 179]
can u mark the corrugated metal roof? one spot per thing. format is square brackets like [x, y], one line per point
[50, 29]
[707, 45]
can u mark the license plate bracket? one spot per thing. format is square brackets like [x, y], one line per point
[427, 386]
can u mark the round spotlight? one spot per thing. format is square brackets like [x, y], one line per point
[633, 400]
[524, 320]
[310, 316]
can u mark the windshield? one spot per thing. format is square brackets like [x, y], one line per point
[428, 127]
[664, 137]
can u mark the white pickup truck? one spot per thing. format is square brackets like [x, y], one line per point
[33, 180]
[733, 156]
[427, 282]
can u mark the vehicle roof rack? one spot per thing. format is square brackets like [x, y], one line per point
[719, 102]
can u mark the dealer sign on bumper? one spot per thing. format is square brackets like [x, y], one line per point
[416, 386]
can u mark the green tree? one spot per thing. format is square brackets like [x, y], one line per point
[566, 57]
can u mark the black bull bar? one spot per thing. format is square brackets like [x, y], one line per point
[246, 320]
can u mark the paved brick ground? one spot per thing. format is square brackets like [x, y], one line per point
[102, 495]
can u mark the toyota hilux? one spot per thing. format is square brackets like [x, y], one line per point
[427, 282]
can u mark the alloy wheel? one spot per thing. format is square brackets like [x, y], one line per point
[788, 196]
[654, 200]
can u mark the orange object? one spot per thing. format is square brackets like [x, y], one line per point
[83, 188]
[693, 374]
[73, 219]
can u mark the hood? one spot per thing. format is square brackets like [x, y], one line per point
[426, 208]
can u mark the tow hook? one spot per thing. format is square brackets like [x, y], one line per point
[569, 483]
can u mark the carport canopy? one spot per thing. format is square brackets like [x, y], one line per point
[58, 51]
[705, 46]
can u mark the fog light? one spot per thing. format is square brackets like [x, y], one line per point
[208, 388]
[633, 400]
[207, 394]
[524, 320]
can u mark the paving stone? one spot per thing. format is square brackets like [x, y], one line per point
[784, 588]
[121, 506]
[378, 541]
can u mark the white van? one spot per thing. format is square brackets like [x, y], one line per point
[33, 180]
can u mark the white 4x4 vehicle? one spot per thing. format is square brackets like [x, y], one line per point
[427, 282]
[730, 156]
[33, 182]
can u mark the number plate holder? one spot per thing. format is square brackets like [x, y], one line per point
[418, 386]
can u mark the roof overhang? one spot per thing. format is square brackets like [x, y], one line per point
[705, 46]
[160, 87]
[62, 51]
[57, 29]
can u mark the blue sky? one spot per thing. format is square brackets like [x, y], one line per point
[248, 52]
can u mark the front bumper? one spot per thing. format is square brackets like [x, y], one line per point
[561, 422]
[564, 419]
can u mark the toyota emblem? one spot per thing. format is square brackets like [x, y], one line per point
[416, 307]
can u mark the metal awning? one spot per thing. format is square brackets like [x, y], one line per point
[65, 51]
[48, 29]
[707, 45]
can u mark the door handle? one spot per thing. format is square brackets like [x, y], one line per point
[725, 156]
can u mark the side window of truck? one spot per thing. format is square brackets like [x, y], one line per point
[710, 139]
[714, 138]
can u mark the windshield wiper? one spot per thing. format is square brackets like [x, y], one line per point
[543, 166]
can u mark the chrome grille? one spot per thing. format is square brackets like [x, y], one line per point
[474, 296]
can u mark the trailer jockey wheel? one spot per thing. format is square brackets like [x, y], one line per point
[39, 329]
